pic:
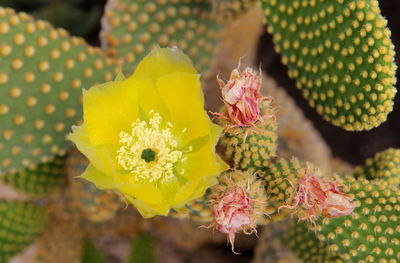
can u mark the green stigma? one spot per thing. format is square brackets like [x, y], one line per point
[148, 155]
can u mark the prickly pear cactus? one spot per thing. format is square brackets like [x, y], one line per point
[384, 166]
[45, 179]
[91, 254]
[20, 224]
[143, 249]
[250, 147]
[372, 232]
[314, 250]
[341, 55]
[131, 28]
[42, 74]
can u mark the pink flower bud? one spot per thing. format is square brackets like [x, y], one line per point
[242, 97]
[233, 212]
[319, 196]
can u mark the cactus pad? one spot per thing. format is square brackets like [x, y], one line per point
[383, 165]
[312, 251]
[91, 254]
[341, 56]
[132, 28]
[41, 181]
[20, 224]
[371, 233]
[42, 74]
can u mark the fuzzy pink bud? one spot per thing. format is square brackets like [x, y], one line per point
[233, 211]
[242, 97]
[320, 196]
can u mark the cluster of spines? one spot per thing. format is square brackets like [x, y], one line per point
[383, 166]
[132, 28]
[43, 72]
[40, 181]
[341, 55]
[20, 224]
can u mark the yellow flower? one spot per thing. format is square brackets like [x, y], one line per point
[148, 136]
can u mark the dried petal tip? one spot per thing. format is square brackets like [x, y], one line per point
[233, 211]
[319, 196]
[242, 97]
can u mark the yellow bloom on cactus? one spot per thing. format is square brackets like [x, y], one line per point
[148, 136]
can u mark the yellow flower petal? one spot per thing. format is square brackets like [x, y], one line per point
[148, 211]
[185, 104]
[148, 193]
[101, 180]
[193, 190]
[163, 61]
[99, 156]
[203, 163]
[108, 109]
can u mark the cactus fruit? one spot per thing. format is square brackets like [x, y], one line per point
[40, 181]
[250, 148]
[341, 56]
[384, 166]
[132, 28]
[20, 224]
[43, 72]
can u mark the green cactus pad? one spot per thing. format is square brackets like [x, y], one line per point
[372, 232]
[20, 224]
[41, 181]
[131, 28]
[42, 74]
[384, 166]
[143, 249]
[341, 55]
[311, 251]
[281, 179]
[91, 254]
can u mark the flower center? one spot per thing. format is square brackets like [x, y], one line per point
[148, 155]
[149, 152]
